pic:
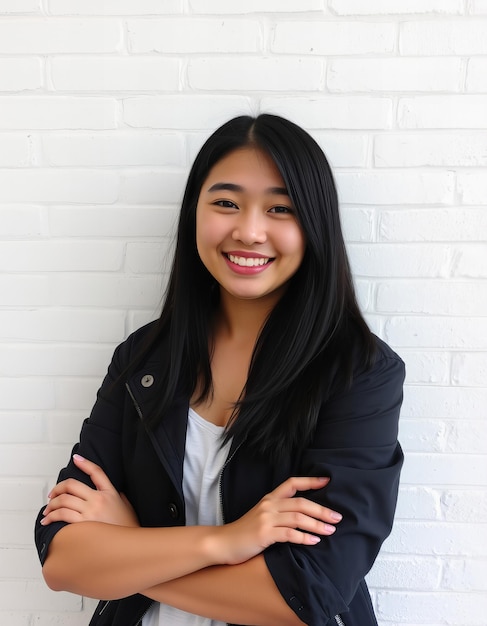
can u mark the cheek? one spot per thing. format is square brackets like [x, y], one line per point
[292, 243]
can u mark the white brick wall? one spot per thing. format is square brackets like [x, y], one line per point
[103, 104]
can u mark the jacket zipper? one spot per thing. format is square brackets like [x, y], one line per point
[136, 404]
[339, 620]
[220, 482]
[104, 607]
[139, 621]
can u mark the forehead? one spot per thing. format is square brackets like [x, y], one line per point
[249, 167]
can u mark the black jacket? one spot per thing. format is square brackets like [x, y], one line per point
[355, 444]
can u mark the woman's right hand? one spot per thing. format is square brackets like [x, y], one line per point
[278, 518]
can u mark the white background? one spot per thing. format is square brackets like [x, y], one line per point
[103, 104]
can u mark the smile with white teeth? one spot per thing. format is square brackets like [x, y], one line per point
[248, 262]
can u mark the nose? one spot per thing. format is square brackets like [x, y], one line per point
[250, 228]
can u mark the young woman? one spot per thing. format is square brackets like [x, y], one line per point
[259, 381]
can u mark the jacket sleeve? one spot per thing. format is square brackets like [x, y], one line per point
[356, 446]
[99, 442]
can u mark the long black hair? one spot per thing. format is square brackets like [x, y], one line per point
[314, 337]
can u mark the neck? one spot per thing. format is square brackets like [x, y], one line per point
[241, 319]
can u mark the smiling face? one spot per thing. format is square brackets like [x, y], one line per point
[247, 233]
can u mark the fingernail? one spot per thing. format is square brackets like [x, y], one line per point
[43, 521]
[324, 479]
[329, 528]
[336, 516]
[78, 457]
[315, 539]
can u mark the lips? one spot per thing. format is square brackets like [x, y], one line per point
[243, 261]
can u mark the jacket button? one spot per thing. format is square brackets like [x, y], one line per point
[173, 510]
[147, 380]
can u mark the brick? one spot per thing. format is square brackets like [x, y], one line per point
[461, 575]
[255, 74]
[40, 597]
[50, 360]
[16, 528]
[395, 7]
[472, 187]
[444, 469]
[137, 319]
[443, 37]
[65, 426]
[412, 331]
[418, 150]
[25, 394]
[358, 112]
[49, 185]
[425, 436]
[20, 221]
[9, 7]
[117, 221]
[394, 74]
[418, 503]
[343, 149]
[254, 6]
[436, 539]
[22, 460]
[51, 113]
[114, 74]
[447, 111]
[357, 224]
[27, 427]
[15, 619]
[433, 225]
[469, 369]
[48, 36]
[328, 37]
[20, 74]
[155, 187]
[68, 619]
[435, 608]
[23, 290]
[15, 150]
[62, 325]
[18, 563]
[74, 394]
[363, 292]
[470, 261]
[479, 7]
[468, 436]
[183, 112]
[64, 256]
[176, 36]
[477, 75]
[114, 7]
[395, 187]
[396, 572]
[120, 148]
[438, 298]
[148, 258]
[427, 367]
[17, 496]
[105, 290]
[401, 261]
[464, 505]
[421, 401]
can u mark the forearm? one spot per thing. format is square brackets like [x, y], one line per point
[236, 594]
[108, 561]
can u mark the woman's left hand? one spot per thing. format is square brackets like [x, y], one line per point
[72, 501]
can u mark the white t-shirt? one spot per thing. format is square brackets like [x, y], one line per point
[203, 462]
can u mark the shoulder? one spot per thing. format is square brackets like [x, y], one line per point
[141, 341]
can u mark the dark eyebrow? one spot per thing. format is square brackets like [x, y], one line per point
[280, 191]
